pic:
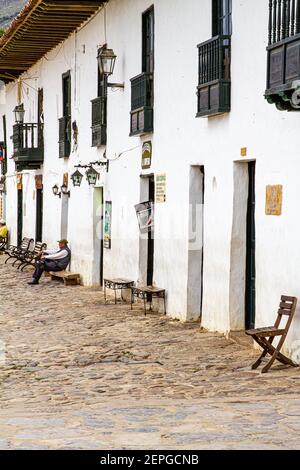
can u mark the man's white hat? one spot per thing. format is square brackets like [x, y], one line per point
[2, 222]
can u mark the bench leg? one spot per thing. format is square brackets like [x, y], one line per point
[145, 305]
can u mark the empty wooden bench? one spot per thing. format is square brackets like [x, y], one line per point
[265, 336]
[14, 252]
[70, 279]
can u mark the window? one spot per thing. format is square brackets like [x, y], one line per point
[141, 116]
[148, 41]
[221, 17]
[65, 122]
[99, 112]
[214, 86]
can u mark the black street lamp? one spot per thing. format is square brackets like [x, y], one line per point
[76, 178]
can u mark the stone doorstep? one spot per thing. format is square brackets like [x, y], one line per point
[240, 337]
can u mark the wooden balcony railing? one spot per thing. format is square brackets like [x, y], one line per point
[214, 76]
[284, 19]
[99, 121]
[64, 136]
[141, 116]
[28, 143]
[283, 67]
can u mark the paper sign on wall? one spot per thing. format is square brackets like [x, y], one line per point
[160, 187]
[107, 225]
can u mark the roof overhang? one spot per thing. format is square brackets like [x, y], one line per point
[40, 26]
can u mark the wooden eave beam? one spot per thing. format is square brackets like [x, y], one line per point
[32, 38]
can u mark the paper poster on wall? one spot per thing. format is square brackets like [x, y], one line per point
[274, 200]
[160, 188]
[107, 225]
[145, 216]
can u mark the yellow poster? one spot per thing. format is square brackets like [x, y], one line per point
[160, 188]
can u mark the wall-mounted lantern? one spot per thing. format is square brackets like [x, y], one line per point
[106, 62]
[55, 190]
[19, 113]
[64, 190]
[76, 178]
[92, 176]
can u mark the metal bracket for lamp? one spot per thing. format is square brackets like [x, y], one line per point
[116, 85]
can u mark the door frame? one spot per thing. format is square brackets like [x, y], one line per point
[238, 246]
[146, 239]
[98, 238]
[250, 278]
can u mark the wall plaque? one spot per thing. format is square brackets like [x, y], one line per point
[146, 155]
[274, 200]
[19, 182]
[66, 179]
[39, 182]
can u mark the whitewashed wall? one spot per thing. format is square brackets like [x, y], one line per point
[179, 141]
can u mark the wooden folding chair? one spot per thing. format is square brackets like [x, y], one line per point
[265, 336]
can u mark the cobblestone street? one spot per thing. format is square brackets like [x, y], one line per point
[78, 374]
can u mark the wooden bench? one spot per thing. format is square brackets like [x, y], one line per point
[70, 279]
[265, 336]
[14, 252]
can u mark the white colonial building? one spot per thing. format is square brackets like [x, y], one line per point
[183, 122]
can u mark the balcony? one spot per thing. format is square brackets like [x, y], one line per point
[98, 122]
[28, 143]
[64, 136]
[141, 116]
[214, 76]
[283, 69]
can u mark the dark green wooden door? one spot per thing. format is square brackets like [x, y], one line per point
[150, 259]
[250, 256]
[39, 215]
[20, 215]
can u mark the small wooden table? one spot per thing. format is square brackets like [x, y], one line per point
[117, 284]
[144, 292]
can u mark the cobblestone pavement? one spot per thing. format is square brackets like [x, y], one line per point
[78, 374]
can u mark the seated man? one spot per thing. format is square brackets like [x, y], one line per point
[52, 260]
[3, 229]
